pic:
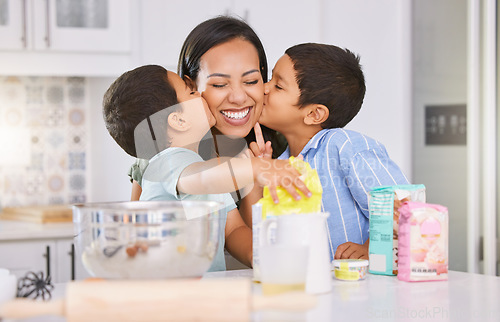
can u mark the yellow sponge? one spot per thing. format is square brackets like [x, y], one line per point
[287, 204]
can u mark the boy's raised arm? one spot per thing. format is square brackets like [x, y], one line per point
[228, 174]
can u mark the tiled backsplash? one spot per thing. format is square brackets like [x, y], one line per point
[43, 140]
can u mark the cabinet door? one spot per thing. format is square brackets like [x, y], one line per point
[281, 23]
[13, 24]
[64, 261]
[82, 25]
[68, 266]
[21, 257]
[166, 24]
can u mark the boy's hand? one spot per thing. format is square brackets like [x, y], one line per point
[260, 148]
[274, 173]
[352, 250]
[245, 154]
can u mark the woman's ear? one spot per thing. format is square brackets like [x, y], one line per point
[189, 82]
[316, 114]
[177, 122]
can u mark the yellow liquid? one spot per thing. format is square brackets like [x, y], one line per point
[272, 289]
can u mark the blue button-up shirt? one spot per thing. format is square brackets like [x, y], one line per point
[349, 164]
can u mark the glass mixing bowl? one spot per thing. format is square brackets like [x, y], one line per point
[147, 239]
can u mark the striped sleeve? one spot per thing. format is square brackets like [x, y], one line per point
[369, 169]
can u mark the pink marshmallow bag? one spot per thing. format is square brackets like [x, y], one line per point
[423, 242]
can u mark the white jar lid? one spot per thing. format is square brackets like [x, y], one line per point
[350, 262]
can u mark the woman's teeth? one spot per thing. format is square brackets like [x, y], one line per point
[236, 115]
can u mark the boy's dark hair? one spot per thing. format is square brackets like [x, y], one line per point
[134, 97]
[330, 76]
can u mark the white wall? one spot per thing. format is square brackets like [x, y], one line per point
[440, 78]
[380, 32]
[108, 163]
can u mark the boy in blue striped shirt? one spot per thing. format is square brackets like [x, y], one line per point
[315, 91]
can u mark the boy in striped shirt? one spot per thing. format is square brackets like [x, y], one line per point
[315, 91]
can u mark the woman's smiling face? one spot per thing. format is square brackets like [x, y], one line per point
[231, 83]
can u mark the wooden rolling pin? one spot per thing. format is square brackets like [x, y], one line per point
[164, 300]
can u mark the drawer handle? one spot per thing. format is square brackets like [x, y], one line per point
[72, 254]
[47, 260]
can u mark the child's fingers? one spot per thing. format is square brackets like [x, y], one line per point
[274, 194]
[246, 154]
[268, 150]
[292, 191]
[255, 149]
[291, 181]
[258, 135]
[340, 250]
[264, 150]
[302, 187]
[348, 253]
[360, 255]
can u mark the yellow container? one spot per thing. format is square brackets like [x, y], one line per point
[350, 269]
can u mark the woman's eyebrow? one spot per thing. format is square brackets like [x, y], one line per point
[250, 72]
[219, 75]
[229, 76]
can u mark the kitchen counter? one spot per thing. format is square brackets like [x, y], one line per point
[464, 297]
[18, 230]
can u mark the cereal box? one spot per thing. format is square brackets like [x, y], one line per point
[384, 203]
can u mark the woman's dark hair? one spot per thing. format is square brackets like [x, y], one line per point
[211, 33]
[331, 76]
[217, 31]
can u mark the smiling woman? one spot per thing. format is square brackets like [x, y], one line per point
[229, 50]
[233, 86]
[224, 60]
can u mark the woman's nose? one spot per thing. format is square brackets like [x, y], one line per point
[237, 96]
[266, 88]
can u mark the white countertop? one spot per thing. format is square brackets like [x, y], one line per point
[464, 297]
[18, 230]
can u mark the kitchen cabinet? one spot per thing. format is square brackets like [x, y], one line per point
[13, 24]
[66, 25]
[52, 257]
[108, 37]
[66, 37]
[22, 256]
[165, 25]
[67, 266]
[48, 248]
